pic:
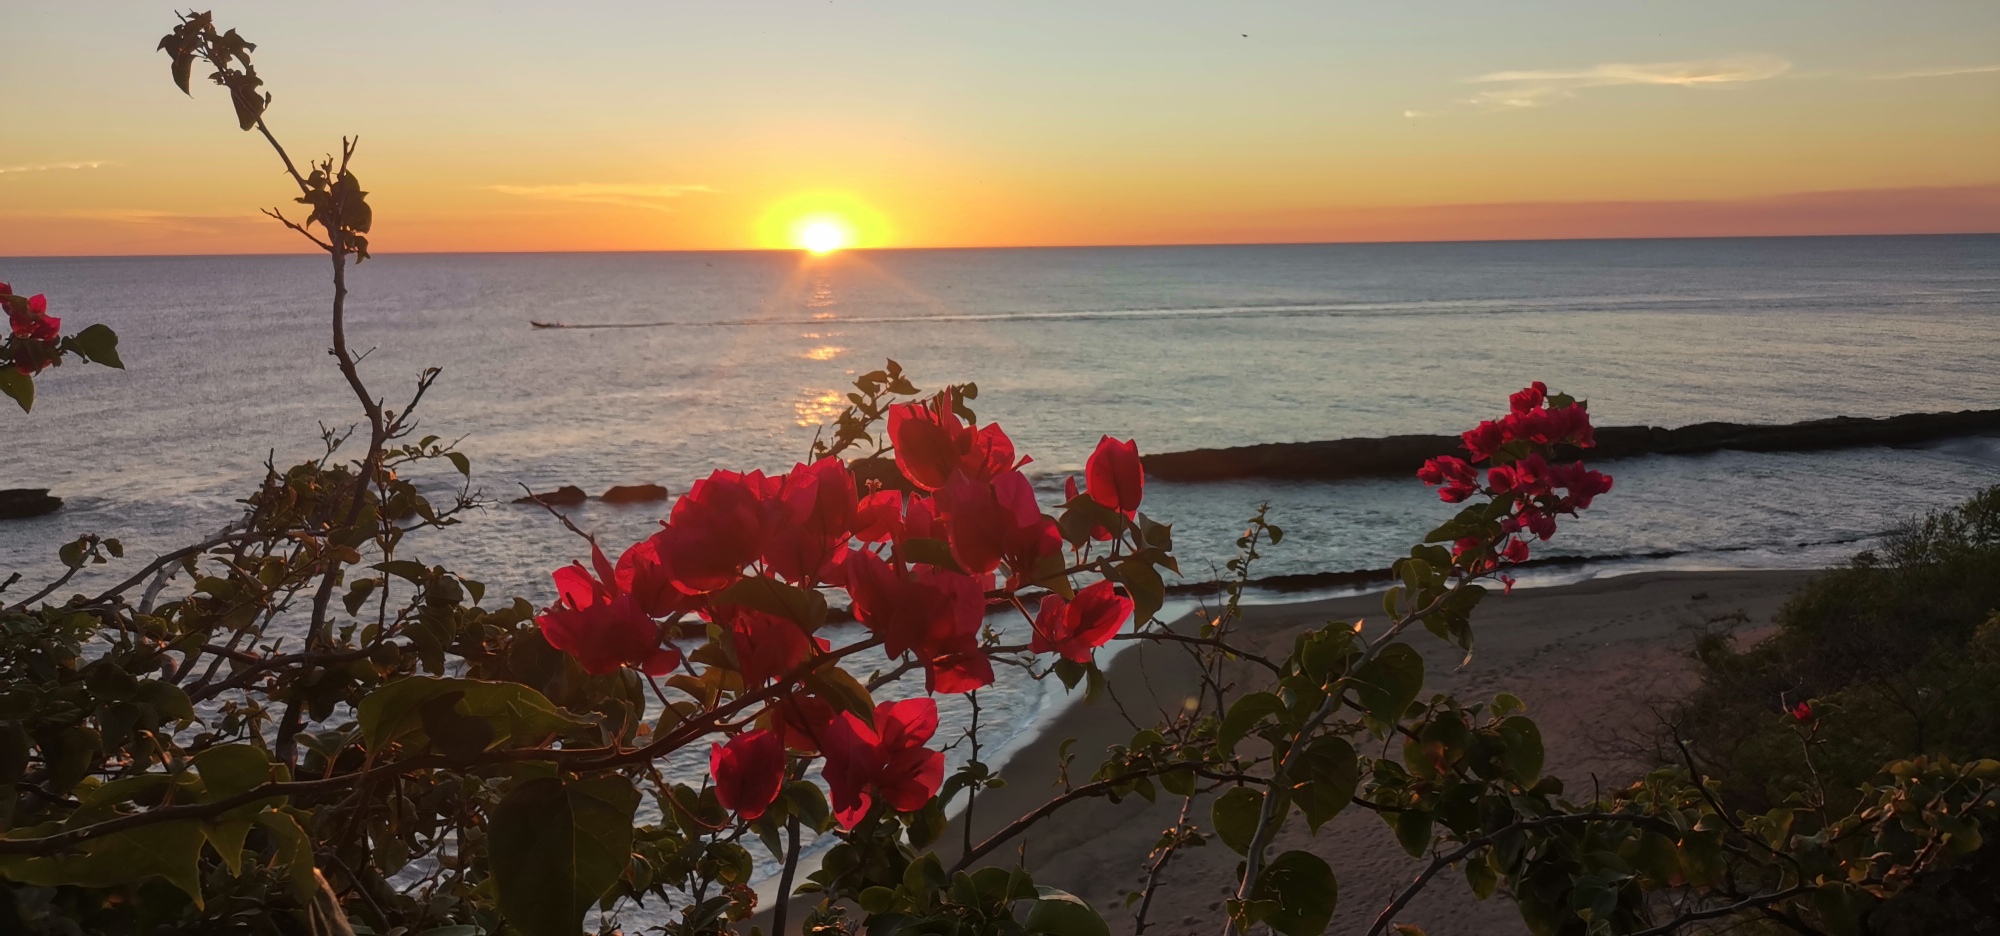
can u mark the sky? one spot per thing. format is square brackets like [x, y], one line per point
[504, 126]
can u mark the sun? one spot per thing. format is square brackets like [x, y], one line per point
[822, 236]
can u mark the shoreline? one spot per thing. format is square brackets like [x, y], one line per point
[1571, 650]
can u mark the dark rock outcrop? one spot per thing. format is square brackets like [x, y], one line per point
[634, 494]
[569, 495]
[21, 503]
[1403, 455]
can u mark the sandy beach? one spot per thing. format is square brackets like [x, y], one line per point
[1589, 659]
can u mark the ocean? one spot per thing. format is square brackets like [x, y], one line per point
[735, 359]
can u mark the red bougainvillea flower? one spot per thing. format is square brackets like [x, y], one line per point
[1114, 477]
[932, 613]
[1455, 479]
[801, 717]
[800, 548]
[1580, 485]
[643, 574]
[1075, 628]
[996, 521]
[927, 443]
[931, 443]
[722, 524]
[767, 646]
[30, 319]
[1483, 440]
[879, 517]
[1528, 398]
[749, 770]
[1802, 712]
[601, 626]
[888, 760]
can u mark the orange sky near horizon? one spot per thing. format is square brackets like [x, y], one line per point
[627, 126]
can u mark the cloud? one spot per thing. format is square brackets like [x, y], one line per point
[51, 167]
[1522, 89]
[1945, 72]
[654, 196]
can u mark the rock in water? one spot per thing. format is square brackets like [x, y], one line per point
[21, 503]
[569, 495]
[634, 493]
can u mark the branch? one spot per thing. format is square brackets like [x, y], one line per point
[1046, 809]
[1748, 903]
[1388, 914]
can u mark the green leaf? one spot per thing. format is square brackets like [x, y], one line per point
[805, 607]
[1413, 830]
[1143, 582]
[1235, 816]
[1305, 890]
[294, 850]
[515, 712]
[1524, 748]
[19, 386]
[229, 769]
[1245, 715]
[99, 345]
[227, 840]
[1060, 913]
[556, 847]
[459, 461]
[169, 850]
[1385, 686]
[1324, 775]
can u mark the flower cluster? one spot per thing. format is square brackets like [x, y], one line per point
[921, 559]
[1518, 473]
[34, 332]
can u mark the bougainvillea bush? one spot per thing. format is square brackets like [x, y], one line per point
[297, 726]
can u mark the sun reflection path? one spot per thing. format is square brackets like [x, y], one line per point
[815, 407]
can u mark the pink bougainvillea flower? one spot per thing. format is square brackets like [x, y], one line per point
[749, 770]
[1516, 550]
[887, 760]
[767, 646]
[1114, 477]
[1802, 712]
[802, 544]
[1075, 628]
[601, 626]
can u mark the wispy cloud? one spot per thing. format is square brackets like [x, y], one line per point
[1521, 89]
[654, 196]
[51, 167]
[1944, 72]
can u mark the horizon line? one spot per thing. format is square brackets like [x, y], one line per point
[1116, 246]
